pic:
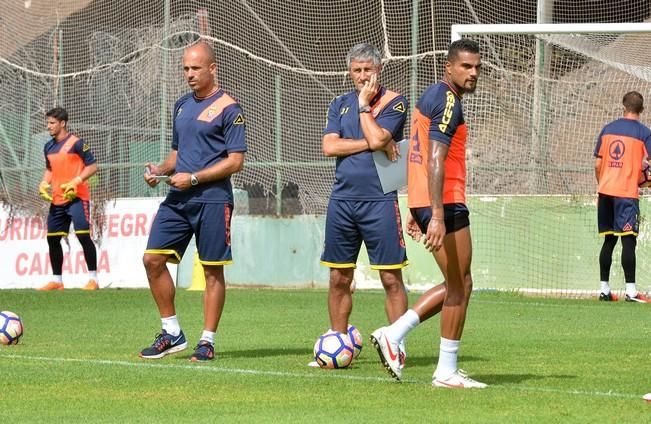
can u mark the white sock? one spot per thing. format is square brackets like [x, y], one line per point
[208, 336]
[605, 287]
[631, 290]
[92, 275]
[447, 358]
[171, 325]
[403, 325]
[57, 278]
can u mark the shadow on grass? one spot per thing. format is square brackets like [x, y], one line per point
[432, 360]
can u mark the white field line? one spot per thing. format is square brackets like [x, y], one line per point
[317, 375]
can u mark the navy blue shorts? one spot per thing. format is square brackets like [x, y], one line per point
[455, 216]
[377, 224]
[176, 222]
[60, 217]
[618, 216]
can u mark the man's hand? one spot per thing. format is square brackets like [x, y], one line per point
[412, 228]
[392, 151]
[180, 180]
[150, 171]
[70, 188]
[44, 191]
[435, 234]
[369, 91]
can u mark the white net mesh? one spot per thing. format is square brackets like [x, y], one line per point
[116, 66]
[533, 126]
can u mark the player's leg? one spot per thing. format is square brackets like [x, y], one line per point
[79, 211]
[395, 301]
[389, 340]
[340, 299]
[169, 236]
[458, 249]
[605, 262]
[430, 303]
[381, 229]
[626, 226]
[213, 232]
[606, 227]
[628, 260]
[380, 226]
[340, 250]
[58, 224]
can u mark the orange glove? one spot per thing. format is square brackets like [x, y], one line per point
[44, 191]
[70, 188]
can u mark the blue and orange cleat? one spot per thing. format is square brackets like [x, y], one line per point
[204, 351]
[164, 344]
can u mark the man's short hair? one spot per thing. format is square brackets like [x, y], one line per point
[58, 113]
[633, 102]
[462, 45]
[363, 52]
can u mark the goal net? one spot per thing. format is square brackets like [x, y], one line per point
[544, 95]
[116, 66]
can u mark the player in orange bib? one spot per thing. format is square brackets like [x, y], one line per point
[622, 148]
[69, 163]
[436, 198]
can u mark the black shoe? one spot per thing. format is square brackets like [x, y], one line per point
[610, 297]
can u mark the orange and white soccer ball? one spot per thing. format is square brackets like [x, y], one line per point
[11, 328]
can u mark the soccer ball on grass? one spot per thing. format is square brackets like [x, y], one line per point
[333, 350]
[356, 340]
[11, 328]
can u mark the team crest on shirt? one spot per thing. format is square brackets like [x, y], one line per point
[616, 149]
[212, 112]
[239, 120]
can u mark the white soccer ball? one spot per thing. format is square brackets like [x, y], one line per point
[333, 350]
[356, 340]
[11, 328]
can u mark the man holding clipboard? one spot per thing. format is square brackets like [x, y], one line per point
[367, 119]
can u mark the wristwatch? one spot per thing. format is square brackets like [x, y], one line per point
[365, 109]
[193, 180]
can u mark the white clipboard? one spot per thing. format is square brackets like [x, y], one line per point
[393, 175]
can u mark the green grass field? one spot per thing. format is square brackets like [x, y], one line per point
[546, 360]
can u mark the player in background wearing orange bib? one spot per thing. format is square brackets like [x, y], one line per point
[436, 199]
[69, 162]
[622, 149]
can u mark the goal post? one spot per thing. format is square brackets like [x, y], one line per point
[460, 30]
[545, 92]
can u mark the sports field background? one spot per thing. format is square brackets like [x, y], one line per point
[546, 361]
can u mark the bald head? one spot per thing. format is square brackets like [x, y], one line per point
[200, 69]
[203, 50]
